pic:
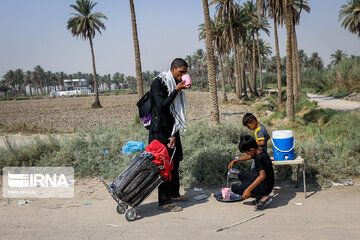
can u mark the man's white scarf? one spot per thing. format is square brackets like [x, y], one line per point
[178, 106]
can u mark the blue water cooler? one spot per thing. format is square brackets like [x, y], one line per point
[283, 145]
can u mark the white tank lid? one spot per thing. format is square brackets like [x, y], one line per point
[280, 134]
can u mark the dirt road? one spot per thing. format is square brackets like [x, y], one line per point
[327, 214]
[333, 103]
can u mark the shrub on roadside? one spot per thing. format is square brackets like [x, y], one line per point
[331, 150]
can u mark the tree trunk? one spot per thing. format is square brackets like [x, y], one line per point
[249, 80]
[294, 64]
[30, 89]
[230, 75]
[237, 73]
[289, 72]
[139, 81]
[240, 67]
[223, 86]
[210, 59]
[254, 67]
[260, 64]
[244, 73]
[298, 66]
[236, 60]
[278, 65]
[97, 103]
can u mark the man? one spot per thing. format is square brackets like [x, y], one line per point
[168, 117]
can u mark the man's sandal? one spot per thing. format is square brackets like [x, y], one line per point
[262, 205]
[170, 208]
[179, 199]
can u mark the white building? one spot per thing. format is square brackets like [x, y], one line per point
[74, 87]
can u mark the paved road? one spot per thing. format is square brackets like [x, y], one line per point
[333, 103]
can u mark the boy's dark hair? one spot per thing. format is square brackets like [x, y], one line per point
[247, 118]
[178, 62]
[247, 142]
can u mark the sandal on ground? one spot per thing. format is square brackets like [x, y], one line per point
[170, 208]
[255, 201]
[262, 205]
[179, 199]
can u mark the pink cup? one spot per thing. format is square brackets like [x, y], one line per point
[187, 79]
[225, 193]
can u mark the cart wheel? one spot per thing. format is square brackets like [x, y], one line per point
[121, 208]
[130, 214]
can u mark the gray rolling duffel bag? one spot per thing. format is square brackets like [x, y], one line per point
[138, 180]
[135, 184]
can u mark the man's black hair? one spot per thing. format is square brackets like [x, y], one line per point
[178, 62]
[247, 142]
[248, 118]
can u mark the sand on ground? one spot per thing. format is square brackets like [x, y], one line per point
[333, 103]
[326, 214]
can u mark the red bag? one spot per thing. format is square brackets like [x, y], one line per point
[161, 158]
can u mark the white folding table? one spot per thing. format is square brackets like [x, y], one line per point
[297, 161]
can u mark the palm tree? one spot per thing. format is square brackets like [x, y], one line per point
[139, 81]
[39, 78]
[61, 77]
[29, 81]
[275, 10]
[303, 59]
[250, 10]
[118, 80]
[264, 51]
[9, 79]
[85, 24]
[19, 81]
[337, 57]
[350, 12]
[210, 59]
[4, 87]
[230, 71]
[199, 59]
[227, 11]
[261, 25]
[48, 80]
[241, 24]
[316, 61]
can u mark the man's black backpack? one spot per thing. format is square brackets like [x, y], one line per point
[144, 106]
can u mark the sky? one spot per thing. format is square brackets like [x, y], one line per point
[33, 32]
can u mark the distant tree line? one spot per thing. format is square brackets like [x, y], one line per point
[41, 82]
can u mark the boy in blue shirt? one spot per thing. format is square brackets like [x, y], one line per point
[260, 134]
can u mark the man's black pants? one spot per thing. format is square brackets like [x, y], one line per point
[246, 179]
[168, 190]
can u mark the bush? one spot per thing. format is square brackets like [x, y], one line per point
[84, 151]
[345, 75]
[208, 149]
[331, 148]
[338, 81]
[271, 78]
[314, 79]
[23, 128]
